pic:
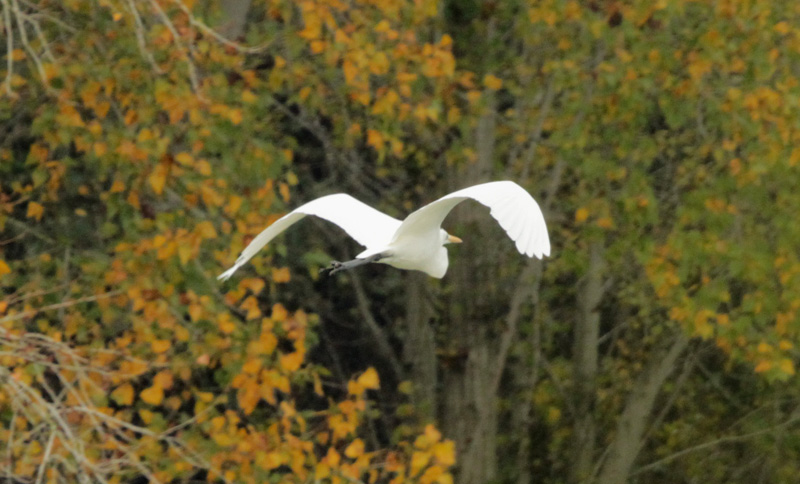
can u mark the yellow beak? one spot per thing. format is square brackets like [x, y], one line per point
[453, 239]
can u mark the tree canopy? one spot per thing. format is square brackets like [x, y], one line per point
[143, 143]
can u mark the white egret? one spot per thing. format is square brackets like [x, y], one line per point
[416, 243]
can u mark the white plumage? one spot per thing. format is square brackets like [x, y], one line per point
[416, 243]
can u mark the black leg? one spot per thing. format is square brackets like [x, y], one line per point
[337, 266]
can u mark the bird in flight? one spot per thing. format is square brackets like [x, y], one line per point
[416, 243]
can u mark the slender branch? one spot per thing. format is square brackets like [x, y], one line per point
[9, 47]
[27, 228]
[139, 31]
[46, 457]
[713, 443]
[25, 314]
[188, 49]
[219, 37]
[536, 136]
[26, 44]
[374, 329]
[9, 456]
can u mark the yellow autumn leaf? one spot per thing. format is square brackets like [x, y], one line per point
[252, 366]
[184, 158]
[354, 388]
[281, 275]
[185, 253]
[4, 269]
[117, 187]
[249, 396]
[235, 116]
[248, 96]
[787, 366]
[123, 394]
[283, 189]
[35, 210]
[445, 453]
[264, 345]
[492, 82]
[418, 461]
[223, 440]
[163, 379]
[158, 179]
[268, 460]
[146, 416]
[253, 284]
[225, 323]
[251, 306]
[605, 223]
[375, 139]
[369, 379]
[431, 474]
[445, 478]
[581, 215]
[432, 433]
[160, 345]
[333, 458]
[763, 366]
[100, 149]
[355, 449]
[279, 313]
[350, 71]
[322, 471]
[153, 395]
[206, 230]
[291, 362]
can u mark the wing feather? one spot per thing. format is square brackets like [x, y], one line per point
[514, 209]
[369, 227]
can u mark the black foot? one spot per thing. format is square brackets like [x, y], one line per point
[335, 266]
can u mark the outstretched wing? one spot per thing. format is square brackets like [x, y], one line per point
[512, 206]
[367, 226]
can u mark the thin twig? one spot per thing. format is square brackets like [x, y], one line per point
[188, 49]
[25, 314]
[140, 40]
[9, 47]
[23, 34]
[46, 457]
[219, 37]
[713, 443]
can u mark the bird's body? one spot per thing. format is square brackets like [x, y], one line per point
[416, 243]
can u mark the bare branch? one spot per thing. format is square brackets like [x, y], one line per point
[188, 49]
[219, 37]
[139, 31]
[9, 47]
[23, 33]
[25, 314]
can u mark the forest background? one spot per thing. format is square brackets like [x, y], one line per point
[143, 143]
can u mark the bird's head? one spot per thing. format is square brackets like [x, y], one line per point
[449, 239]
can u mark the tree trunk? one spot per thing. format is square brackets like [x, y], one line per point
[469, 410]
[632, 423]
[419, 349]
[587, 333]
